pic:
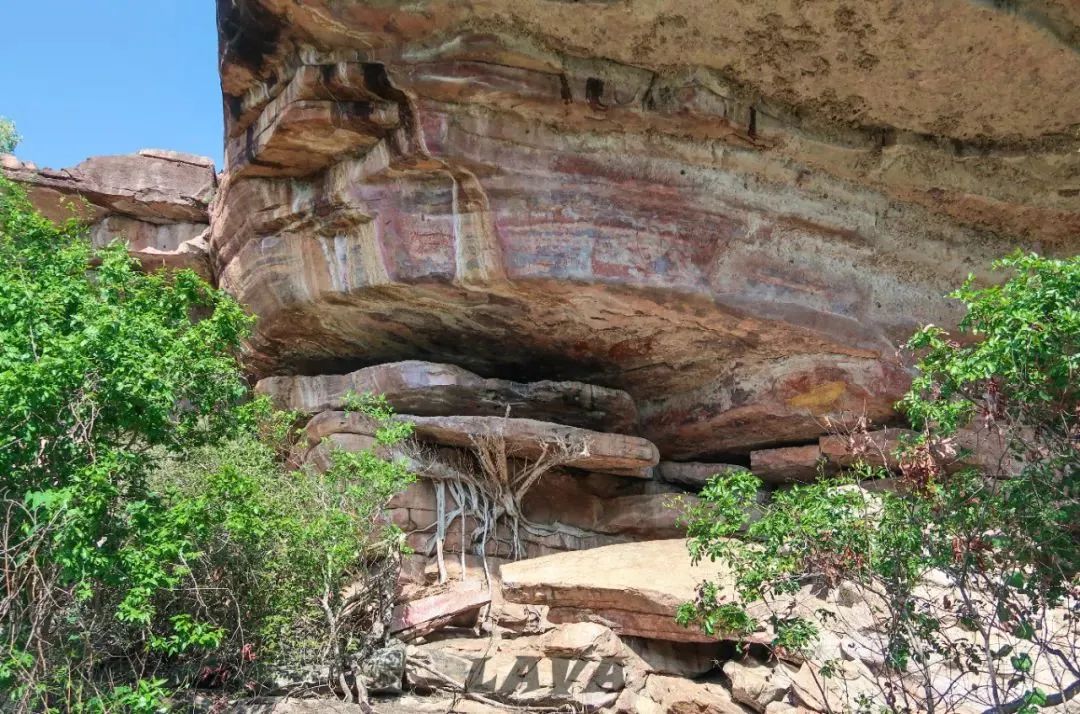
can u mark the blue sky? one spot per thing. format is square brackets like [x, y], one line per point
[86, 77]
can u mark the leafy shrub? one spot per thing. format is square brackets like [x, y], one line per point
[9, 138]
[1003, 535]
[151, 521]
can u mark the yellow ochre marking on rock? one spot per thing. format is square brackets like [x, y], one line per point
[819, 397]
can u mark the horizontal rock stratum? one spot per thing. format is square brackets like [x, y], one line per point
[733, 211]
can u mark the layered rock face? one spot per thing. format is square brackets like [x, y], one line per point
[155, 201]
[733, 211]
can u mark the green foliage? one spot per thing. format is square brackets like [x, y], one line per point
[100, 365]
[152, 514]
[823, 528]
[285, 542]
[1023, 360]
[1019, 378]
[1004, 535]
[9, 138]
[146, 696]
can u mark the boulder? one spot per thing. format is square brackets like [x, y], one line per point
[648, 516]
[785, 708]
[529, 439]
[318, 456]
[840, 691]
[634, 588]
[430, 389]
[757, 685]
[424, 615]
[582, 640]
[327, 423]
[384, 670]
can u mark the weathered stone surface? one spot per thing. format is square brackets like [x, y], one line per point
[785, 708]
[420, 616]
[384, 670]
[692, 474]
[633, 196]
[582, 640]
[974, 446]
[578, 516]
[318, 456]
[839, 692]
[528, 438]
[676, 695]
[517, 671]
[155, 201]
[875, 448]
[634, 588]
[151, 185]
[788, 464]
[291, 705]
[428, 389]
[757, 685]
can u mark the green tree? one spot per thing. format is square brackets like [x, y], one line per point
[152, 517]
[1004, 535]
[9, 138]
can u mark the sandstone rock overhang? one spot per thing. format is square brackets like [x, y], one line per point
[735, 212]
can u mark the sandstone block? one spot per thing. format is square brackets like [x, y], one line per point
[420, 616]
[676, 695]
[790, 464]
[757, 685]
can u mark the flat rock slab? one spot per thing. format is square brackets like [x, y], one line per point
[634, 588]
[430, 389]
[528, 439]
